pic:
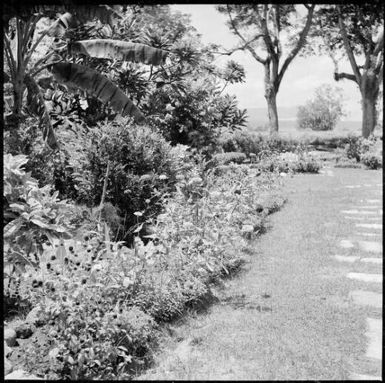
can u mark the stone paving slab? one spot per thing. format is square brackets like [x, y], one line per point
[367, 298]
[372, 260]
[368, 207]
[374, 333]
[373, 200]
[355, 211]
[370, 246]
[343, 258]
[370, 225]
[346, 244]
[376, 278]
[368, 234]
[355, 376]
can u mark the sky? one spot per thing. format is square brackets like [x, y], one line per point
[301, 79]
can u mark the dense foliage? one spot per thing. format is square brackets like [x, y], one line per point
[104, 324]
[323, 112]
[367, 151]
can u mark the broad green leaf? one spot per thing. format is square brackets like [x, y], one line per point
[119, 50]
[98, 86]
[36, 105]
[40, 223]
[12, 227]
[17, 207]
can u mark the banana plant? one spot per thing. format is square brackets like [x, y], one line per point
[20, 43]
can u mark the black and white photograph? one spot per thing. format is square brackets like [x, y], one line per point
[192, 191]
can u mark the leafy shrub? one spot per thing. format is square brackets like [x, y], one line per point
[252, 143]
[105, 322]
[323, 112]
[307, 164]
[143, 168]
[32, 216]
[367, 151]
[353, 148]
[290, 163]
[196, 117]
[372, 160]
[228, 157]
[371, 152]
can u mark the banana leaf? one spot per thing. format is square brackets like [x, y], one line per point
[97, 85]
[119, 50]
[83, 13]
[36, 104]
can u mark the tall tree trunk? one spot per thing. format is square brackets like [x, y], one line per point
[369, 93]
[271, 99]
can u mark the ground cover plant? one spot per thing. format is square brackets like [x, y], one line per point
[99, 302]
[273, 153]
[367, 151]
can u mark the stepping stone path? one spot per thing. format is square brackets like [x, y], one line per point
[373, 247]
[374, 334]
[368, 207]
[352, 258]
[367, 298]
[346, 244]
[343, 258]
[368, 234]
[370, 225]
[368, 212]
[372, 260]
[373, 278]
[364, 377]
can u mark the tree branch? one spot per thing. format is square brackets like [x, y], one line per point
[266, 35]
[339, 76]
[299, 45]
[241, 48]
[348, 48]
[251, 50]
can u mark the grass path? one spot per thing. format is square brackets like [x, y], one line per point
[289, 315]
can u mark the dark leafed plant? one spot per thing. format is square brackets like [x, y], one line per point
[20, 44]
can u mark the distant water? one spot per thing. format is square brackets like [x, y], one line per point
[288, 125]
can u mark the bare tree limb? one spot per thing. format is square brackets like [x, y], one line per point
[241, 48]
[266, 35]
[348, 48]
[251, 50]
[339, 76]
[299, 45]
